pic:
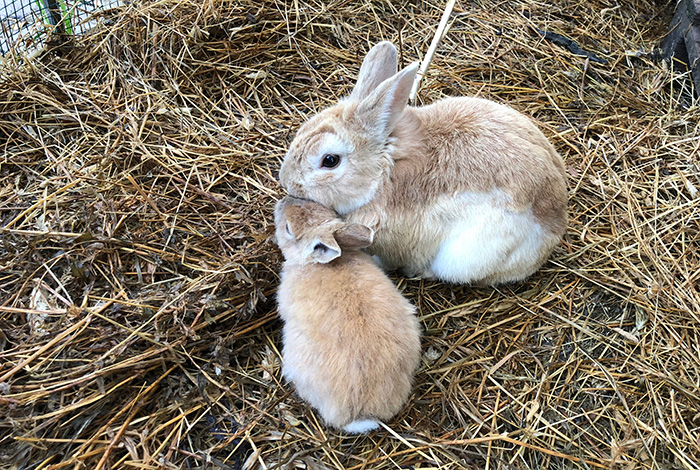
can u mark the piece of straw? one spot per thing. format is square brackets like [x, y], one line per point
[425, 63]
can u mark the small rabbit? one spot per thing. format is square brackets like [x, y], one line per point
[463, 190]
[351, 340]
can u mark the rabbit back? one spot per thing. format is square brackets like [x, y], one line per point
[351, 341]
[476, 146]
[476, 193]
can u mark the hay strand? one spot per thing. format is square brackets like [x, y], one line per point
[425, 63]
[138, 164]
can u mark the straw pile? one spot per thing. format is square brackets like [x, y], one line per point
[137, 272]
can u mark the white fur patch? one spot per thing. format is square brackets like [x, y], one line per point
[355, 203]
[329, 144]
[361, 426]
[488, 241]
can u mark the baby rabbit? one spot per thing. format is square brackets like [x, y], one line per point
[351, 340]
[462, 190]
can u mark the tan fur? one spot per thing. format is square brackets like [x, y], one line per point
[427, 157]
[351, 341]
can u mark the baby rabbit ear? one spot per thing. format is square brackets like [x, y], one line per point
[354, 236]
[379, 64]
[384, 106]
[325, 249]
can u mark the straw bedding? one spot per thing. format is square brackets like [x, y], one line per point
[137, 271]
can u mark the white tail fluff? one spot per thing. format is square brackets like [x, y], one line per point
[361, 426]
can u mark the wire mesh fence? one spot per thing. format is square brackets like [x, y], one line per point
[25, 24]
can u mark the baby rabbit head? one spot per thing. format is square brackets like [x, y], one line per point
[340, 156]
[308, 232]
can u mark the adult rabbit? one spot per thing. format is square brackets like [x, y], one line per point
[462, 190]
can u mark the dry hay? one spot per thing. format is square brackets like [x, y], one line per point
[137, 273]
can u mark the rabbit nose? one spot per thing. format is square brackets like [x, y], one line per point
[282, 176]
[284, 173]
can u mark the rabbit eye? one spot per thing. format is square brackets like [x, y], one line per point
[287, 229]
[330, 161]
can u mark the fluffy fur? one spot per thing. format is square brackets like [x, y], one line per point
[351, 340]
[463, 190]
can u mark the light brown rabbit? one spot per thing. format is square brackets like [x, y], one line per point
[462, 190]
[351, 340]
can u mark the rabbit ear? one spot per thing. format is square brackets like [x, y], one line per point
[383, 107]
[380, 63]
[325, 249]
[289, 213]
[354, 236]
